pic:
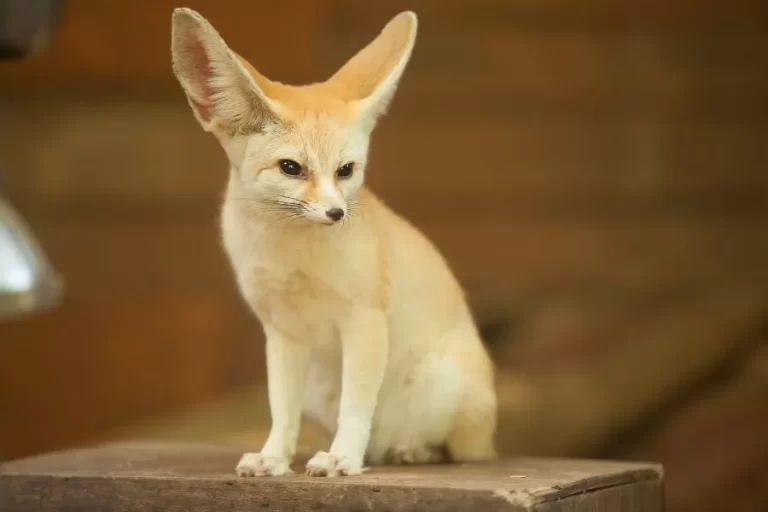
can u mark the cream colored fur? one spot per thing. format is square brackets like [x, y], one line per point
[367, 329]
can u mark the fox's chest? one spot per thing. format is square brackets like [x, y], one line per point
[292, 284]
[299, 304]
[292, 301]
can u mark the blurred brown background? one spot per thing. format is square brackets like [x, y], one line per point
[595, 171]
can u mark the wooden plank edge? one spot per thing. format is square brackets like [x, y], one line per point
[50, 493]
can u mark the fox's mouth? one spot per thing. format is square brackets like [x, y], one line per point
[325, 221]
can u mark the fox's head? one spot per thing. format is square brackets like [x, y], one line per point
[295, 151]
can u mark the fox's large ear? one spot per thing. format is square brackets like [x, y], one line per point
[223, 92]
[370, 78]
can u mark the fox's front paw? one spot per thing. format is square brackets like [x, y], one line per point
[256, 464]
[326, 464]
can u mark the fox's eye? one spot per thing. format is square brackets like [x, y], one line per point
[345, 171]
[289, 168]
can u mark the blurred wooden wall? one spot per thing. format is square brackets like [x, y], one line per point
[556, 153]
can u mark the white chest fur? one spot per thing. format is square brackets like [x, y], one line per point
[287, 277]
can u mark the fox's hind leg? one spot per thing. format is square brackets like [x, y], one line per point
[472, 437]
[415, 414]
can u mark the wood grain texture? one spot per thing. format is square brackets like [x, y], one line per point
[93, 365]
[146, 476]
[119, 46]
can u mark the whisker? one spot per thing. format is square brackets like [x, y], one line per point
[281, 208]
[294, 199]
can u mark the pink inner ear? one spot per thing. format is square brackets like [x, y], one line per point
[200, 74]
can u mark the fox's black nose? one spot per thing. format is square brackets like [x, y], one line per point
[335, 214]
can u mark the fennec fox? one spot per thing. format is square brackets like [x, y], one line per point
[367, 330]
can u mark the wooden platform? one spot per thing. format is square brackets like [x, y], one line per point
[162, 476]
